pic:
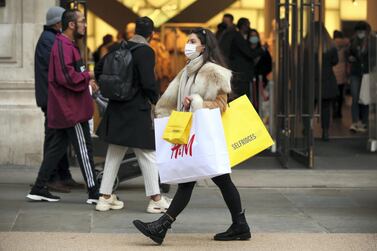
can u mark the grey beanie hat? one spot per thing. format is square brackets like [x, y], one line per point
[54, 15]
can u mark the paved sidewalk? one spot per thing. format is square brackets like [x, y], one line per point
[291, 209]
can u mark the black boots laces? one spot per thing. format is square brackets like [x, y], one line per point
[156, 230]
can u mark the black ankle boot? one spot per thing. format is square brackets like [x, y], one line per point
[156, 230]
[239, 230]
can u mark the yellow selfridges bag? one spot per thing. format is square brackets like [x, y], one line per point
[177, 130]
[245, 133]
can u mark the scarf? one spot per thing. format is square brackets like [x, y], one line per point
[187, 80]
[139, 39]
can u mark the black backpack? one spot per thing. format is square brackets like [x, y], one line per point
[116, 80]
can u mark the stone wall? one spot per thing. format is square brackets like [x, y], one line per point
[21, 121]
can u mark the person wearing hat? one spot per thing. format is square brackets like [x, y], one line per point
[129, 124]
[61, 180]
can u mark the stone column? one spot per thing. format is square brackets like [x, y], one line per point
[21, 121]
[371, 14]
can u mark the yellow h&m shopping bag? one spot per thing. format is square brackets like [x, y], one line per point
[177, 131]
[245, 133]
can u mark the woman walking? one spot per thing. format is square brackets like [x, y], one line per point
[203, 83]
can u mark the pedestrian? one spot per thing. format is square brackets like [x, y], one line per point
[203, 83]
[61, 179]
[70, 107]
[340, 71]
[128, 124]
[359, 60]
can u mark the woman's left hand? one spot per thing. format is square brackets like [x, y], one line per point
[186, 103]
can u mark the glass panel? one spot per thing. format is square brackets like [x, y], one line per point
[332, 21]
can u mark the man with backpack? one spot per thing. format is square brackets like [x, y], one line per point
[126, 76]
[70, 107]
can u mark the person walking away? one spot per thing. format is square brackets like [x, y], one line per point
[70, 107]
[358, 58]
[340, 71]
[203, 83]
[128, 124]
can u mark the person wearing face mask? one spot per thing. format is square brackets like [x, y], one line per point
[263, 62]
[128, 124]
[203, 83]
[358, 59]
[70, 107]
[242, 59]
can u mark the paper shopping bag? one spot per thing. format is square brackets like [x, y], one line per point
[177, 130]
[204, 156]
[364, 96]
[245, 133]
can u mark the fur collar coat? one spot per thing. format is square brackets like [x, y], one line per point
[211, 81]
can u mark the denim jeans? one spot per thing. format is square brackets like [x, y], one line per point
[359, 112]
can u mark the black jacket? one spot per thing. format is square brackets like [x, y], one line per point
[329, 84]
[130, 123]
[41, 62]
[361, 65]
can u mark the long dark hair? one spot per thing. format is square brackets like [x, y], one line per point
[211, 51]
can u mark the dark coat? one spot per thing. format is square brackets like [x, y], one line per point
[329, 84]
[361, 64]
[41, 61]
[130, 123]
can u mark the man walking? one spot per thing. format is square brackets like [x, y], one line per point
[61, 178]
[70, 108]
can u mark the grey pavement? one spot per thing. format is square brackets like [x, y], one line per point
[331, 207]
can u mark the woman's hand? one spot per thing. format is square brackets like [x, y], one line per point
[186, 103]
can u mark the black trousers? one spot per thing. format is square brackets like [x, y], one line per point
[79, 136]
[326, 113]
[228, 190]
[62, 170]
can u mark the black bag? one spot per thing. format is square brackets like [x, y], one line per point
[116, 80]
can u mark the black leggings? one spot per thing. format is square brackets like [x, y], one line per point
[228, 190]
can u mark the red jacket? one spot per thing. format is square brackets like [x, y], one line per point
[69, 100]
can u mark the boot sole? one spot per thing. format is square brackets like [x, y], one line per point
[241, 237]
[144, 231]
[40, 198]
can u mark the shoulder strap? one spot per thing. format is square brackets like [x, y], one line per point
[138, 45]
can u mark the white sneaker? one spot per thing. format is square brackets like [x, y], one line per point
[110, 203]
[353, 127]
[157, 207]
[360, 127]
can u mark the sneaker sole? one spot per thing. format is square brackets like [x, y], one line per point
[91, 201]
[144, 231]
[104, 209]
[40, 198]
[156, 211]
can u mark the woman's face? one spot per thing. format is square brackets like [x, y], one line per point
[193, 39]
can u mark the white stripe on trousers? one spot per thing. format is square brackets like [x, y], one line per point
[84, 155]
[147, 163]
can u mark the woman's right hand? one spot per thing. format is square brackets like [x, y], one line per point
[186, 103]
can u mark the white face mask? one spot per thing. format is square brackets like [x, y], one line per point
[190, 51]
[361, 35]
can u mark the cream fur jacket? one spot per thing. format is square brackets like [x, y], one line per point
[212, 84]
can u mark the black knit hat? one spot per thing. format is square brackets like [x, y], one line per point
[144, 26]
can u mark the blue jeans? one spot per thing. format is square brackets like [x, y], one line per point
[359, 112]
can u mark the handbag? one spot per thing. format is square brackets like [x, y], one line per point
[177, 130]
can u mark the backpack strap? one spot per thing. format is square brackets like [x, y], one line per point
[138, 45]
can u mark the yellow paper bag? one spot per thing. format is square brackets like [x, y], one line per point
[177, 130]
[245, 133]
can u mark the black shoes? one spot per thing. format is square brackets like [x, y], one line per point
[239, 230]
[42, 194]
[155, 230]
